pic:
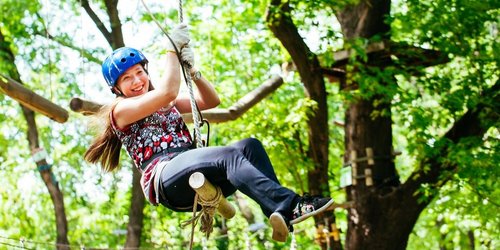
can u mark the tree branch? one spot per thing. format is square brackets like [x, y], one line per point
[100, 25]
[381, 53]
[88, 55]
[474, 123]
[116, 25]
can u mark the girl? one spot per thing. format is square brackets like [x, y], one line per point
[147, 121]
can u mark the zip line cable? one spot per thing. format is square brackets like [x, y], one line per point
[15, 246]
[82, 58]
[22, 242]
[47, 47]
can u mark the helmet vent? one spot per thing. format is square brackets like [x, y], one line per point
[119, 61]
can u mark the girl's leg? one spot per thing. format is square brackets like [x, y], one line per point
[253, 150]
[230, 168]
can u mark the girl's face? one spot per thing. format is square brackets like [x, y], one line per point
[134, 82]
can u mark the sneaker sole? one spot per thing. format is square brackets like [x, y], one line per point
[318, 211]
[280, 230]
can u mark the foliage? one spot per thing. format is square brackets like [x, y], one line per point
[237, 52]
[429, 103]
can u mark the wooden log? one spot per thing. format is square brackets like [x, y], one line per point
[215, 115]
[369, 156]
[344, 205]
[207, 191]
[32, 100]
[83, 106]
[341, 57]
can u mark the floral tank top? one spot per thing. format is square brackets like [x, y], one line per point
[154, 135]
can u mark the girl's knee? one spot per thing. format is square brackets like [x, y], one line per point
[251, 143]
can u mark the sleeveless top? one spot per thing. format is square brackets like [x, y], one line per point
[151, 136]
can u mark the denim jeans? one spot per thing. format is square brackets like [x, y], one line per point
[243, 166]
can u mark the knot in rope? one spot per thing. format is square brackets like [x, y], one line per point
[208, 209]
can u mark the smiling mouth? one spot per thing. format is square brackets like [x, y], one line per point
[138, 89]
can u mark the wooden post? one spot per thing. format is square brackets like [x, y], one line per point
[207, 191]
[368, 177]
[32, 100]
[369, 156]
[368, 170]
[354, 166]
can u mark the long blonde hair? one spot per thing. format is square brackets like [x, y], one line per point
[105, 148]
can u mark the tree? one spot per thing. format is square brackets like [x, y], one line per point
[383, 214]
[8, 60]
[114, 36]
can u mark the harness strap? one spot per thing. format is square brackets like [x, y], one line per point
[163, 153]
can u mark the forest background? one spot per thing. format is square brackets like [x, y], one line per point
[417, 82]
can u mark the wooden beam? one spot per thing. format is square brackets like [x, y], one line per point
[215, 115]
[341, 57]
[84, 107]
[384, 53]
[32, 100]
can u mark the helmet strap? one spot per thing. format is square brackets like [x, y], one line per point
[151, 87]
[145, 67]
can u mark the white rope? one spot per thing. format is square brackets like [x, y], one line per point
[208, 207]
[197, 121]
[194, 108]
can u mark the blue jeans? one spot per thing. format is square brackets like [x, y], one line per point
[242, 166]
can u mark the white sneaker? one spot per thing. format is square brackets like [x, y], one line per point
[280, 229]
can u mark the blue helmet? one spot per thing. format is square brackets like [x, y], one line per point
[118, 62]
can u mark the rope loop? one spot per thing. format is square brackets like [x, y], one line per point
[207, 213]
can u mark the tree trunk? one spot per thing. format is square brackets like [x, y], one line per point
[44, 169]
[368, 146]
[136, 213]
[279, 21]
[384, 214]
[115, 40]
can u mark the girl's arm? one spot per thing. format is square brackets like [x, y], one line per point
[132, 109]
[205, 95]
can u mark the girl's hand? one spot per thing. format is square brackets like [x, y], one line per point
[179, 36]
[187, 56]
